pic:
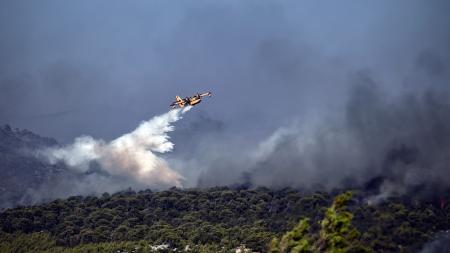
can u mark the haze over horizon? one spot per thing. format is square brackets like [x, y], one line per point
[101, 67]
[304, 93]
[334, 115]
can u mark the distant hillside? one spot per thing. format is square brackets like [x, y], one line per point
[202, 220]
[20, 171]
[218, 220]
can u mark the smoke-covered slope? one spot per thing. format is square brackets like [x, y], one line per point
[20, 171]
[36, 169]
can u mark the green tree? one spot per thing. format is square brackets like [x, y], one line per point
[337, 234]
[298, 239]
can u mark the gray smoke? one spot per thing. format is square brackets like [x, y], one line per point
[441, 244]
[394, 144]
[405, 139]
[285, 111]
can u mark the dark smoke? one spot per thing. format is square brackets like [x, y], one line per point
[387, 144]
[100, 67]
[404, 140]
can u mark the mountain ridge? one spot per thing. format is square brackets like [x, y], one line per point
[20, 170]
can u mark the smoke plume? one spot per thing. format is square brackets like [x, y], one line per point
[440, 244]
[131, 155]
[271, 62]
[388, 144]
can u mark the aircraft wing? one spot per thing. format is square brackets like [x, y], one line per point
[209, 94]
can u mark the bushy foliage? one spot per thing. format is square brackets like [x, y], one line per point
[217, 216]
[220, 219]
[20, 242]
[297, 240]
[338, 233]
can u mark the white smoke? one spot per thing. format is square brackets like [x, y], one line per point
[130, 155]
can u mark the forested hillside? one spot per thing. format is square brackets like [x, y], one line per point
[20, 170]
[217, 219]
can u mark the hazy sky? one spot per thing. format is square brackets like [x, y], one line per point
[310, 94]
[69, 68]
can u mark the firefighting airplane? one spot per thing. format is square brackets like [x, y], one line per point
[182, 102]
